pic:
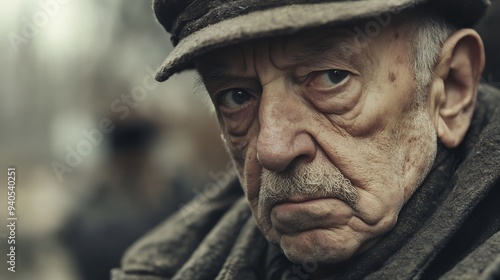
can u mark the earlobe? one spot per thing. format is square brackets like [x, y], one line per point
[447, 137]
[458, 71]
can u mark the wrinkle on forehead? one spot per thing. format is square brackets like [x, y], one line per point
[340, 39]
[242, 51]
[276, 46]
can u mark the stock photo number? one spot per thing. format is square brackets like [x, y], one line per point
[11, 218]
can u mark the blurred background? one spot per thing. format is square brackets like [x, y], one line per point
[103, 153]
[86, 193]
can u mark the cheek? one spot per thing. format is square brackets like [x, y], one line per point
[374, 166]
[398, 170]
[244, 153]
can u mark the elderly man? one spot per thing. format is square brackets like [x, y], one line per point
[364, 144]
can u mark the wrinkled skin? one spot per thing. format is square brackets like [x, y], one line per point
[339, 118]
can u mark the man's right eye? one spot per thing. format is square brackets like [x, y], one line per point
[234, 98]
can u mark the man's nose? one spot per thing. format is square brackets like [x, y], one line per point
[283, 136]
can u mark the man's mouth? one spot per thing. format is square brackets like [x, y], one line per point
[301, 198]
[297, 214]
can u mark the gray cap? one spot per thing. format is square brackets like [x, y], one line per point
[200, 26]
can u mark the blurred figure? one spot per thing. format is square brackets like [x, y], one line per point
[131, 196]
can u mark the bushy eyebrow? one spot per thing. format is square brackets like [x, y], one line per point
[214, 71]
[216, 75]
[217, 71]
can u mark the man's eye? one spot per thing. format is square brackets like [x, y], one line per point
[330, 78]
[336, 76]
[234, 98]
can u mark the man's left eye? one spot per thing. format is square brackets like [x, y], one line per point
[234, 98]
[329, 78]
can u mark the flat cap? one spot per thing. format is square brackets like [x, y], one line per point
[200, 26]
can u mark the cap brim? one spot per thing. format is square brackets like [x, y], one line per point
[277, 21]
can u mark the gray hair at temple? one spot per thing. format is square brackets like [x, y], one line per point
[429, 31]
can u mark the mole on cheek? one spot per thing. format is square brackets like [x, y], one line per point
[399, 60]
[392, 77]
[396, 35]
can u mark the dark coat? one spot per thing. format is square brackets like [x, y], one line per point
[449, 229]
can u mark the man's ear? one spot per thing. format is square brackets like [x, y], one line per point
[456, 80]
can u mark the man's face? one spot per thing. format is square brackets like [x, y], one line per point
[325, 134]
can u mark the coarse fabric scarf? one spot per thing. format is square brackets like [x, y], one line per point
[449, 229]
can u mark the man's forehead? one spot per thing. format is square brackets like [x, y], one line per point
[339, 41]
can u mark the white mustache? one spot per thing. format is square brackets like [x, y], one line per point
[310, 181]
